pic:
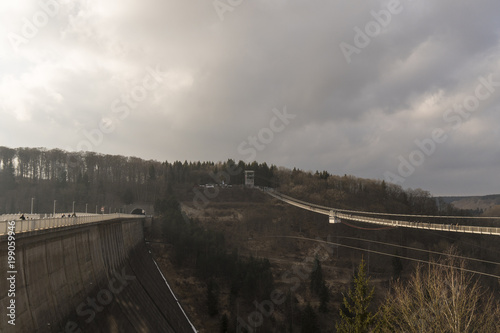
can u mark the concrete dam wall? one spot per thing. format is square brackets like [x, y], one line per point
[89, 278]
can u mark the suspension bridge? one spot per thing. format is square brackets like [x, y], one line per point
[337, 215]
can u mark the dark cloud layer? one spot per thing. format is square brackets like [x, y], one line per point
[218, 81]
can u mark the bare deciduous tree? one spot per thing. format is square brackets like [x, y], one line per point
[442, 297]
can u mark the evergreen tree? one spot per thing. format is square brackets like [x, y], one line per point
[7, 179]
[290, 311]
[356, 316]
[212, 298]
[317, 277]
[324, 298]
[152, 173]
[128, 196]
[224, 324]
[397, 267]
[309, 321]
[318, 286]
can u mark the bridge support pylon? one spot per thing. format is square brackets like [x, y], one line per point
[333, 218]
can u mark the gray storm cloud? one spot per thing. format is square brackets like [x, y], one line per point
[225, 65]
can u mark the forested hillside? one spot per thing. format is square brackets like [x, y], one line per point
[95, 180]
[488, 205]
[226, 248]
[99, 180]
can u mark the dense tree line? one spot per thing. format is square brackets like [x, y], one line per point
[205, 251]
[57, 165]
[357, 193]
[113, 181]
[91, 179]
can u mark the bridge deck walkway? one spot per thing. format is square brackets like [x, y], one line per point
[334, 213]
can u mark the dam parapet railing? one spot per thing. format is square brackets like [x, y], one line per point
[58, 222]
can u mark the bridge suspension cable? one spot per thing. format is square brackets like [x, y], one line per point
[385, 214]
[420, 250]
[389, 254]
[337, 214]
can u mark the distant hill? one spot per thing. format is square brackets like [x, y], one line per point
[487, 203]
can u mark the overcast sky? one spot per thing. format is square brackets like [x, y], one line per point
[369, 88]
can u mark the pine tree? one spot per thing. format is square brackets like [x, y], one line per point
[324, 298]
[397, 267]
[319, 287]
[317, 277]
[212, 298]
[356, 317]
[7, 178]
[309, 321]
[224, 324]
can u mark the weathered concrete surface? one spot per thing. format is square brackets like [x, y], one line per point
[90, 278]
